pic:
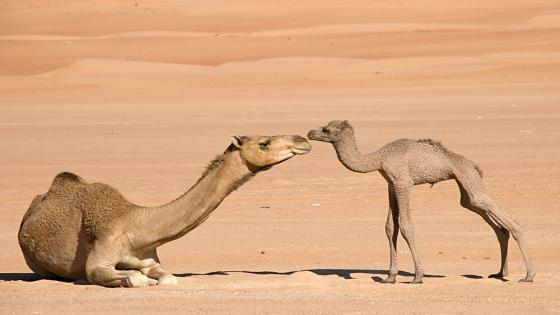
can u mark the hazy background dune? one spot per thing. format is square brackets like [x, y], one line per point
[142, 94]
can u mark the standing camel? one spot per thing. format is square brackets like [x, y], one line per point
[79, 230]
[405, 163]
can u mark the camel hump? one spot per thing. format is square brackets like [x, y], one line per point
[434, 143]
[66, 181]
[67, 176]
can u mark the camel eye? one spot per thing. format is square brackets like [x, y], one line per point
[326, 130]
[264, 145]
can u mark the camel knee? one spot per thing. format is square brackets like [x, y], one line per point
[503, 233]
[389, 229]
[407, 231]
[477, 201]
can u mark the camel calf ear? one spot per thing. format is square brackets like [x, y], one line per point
[236, 141]
[345, 124]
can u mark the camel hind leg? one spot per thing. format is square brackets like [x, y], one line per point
[501, 233]
[478, 200]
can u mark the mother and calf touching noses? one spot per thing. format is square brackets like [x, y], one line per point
[79, 230]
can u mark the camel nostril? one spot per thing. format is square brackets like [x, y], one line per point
[310, 134]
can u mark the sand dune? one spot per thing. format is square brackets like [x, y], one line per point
[364, 30]
[141, 95]
[542, 22]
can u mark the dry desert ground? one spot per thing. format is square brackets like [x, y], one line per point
[142, 94]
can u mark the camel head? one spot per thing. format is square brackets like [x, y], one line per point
[332, 132]
[263, 152]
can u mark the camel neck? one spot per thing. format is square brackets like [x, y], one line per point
[351, 157]
[173, 220]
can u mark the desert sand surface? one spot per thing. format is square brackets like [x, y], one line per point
[141, 95]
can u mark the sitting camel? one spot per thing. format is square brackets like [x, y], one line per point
[79, 230]
[405, 163]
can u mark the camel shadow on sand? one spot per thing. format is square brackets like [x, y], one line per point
[31, 277]
[342, 273]
[481, 277]
[19, 276]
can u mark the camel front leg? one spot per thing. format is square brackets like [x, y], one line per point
[101, 270]
[162, 276]
[131, 262]
[157, 271]
[407, 230]
[148, 267]
[392, 231]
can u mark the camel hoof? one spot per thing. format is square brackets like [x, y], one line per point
[168, 280]
[527, 279]
[136, 280]
[417, 281]
[498, 275]
[390, 280]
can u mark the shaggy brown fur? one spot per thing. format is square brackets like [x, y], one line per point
[405, 163]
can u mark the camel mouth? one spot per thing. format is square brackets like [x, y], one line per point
[316, 136]
[302, 148]
[311, 135]
[301, 151]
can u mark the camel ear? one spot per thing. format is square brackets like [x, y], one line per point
[345, 124]
[236, 141]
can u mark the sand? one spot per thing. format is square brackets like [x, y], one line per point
[141, 95]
